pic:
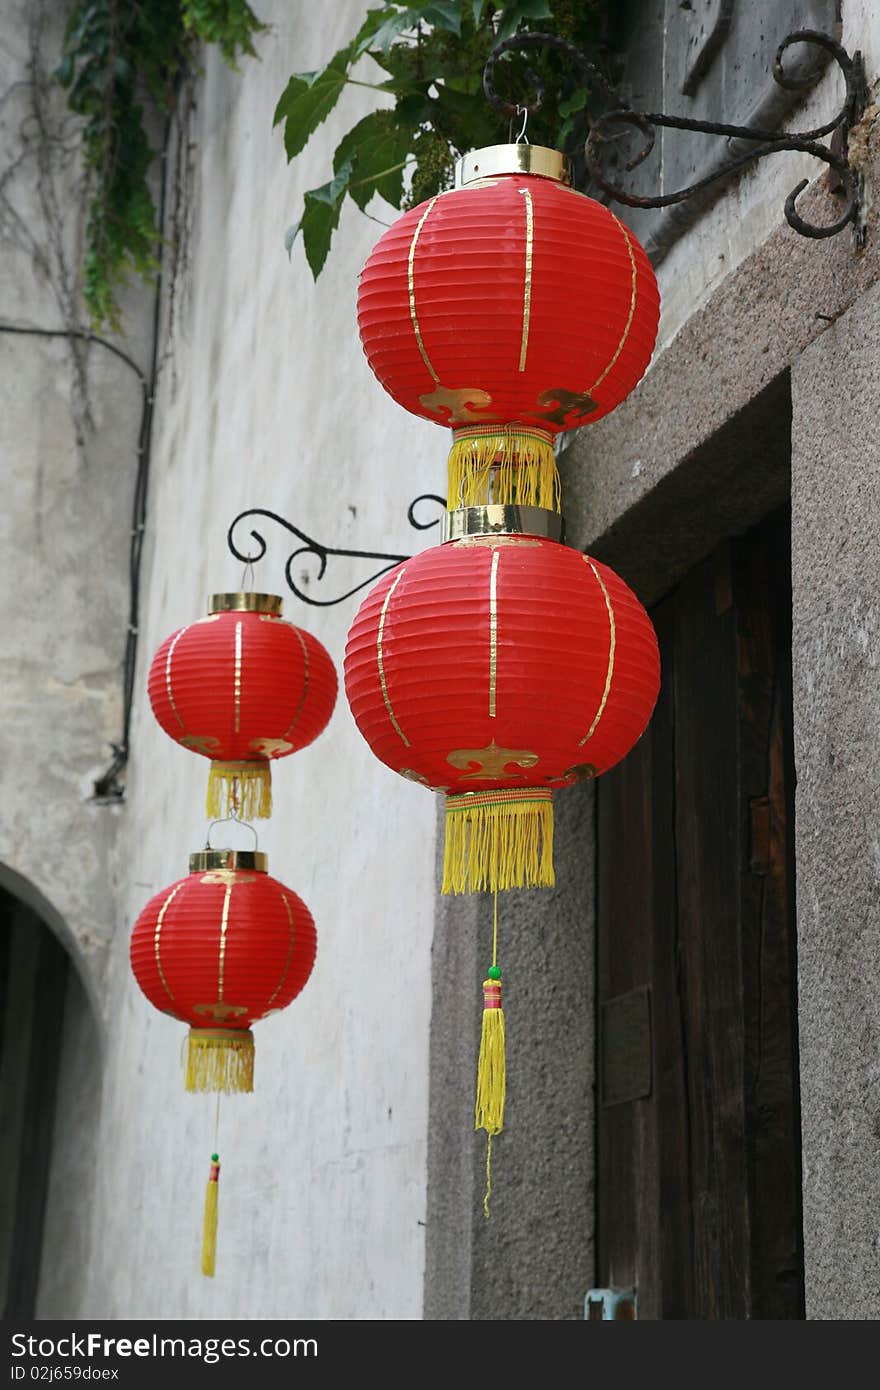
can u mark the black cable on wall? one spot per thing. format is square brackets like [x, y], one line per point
[109, 787]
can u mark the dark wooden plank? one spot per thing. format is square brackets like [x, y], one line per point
[708, 884]
[698, 1191]
[762, 584]
[627, 1134]
[674, 1274]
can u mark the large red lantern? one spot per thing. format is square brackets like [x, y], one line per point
[242, 687]
[509, 308]
[497, 668]
[218, 950]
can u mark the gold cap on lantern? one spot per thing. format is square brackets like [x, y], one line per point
[245, 603]
[495, 519]
[512, 159]
[204, 860]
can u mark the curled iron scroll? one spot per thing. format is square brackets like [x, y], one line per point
[252, 554]
[765, 141]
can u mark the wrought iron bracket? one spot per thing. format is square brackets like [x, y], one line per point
[308, 546]
[606, 127]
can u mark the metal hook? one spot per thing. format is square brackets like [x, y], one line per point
[524, 112]
[253, 548]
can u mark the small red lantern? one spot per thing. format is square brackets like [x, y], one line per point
[242, 687]
[220, 949]
[510, 308]
[496, 668]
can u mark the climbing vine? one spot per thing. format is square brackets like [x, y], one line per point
[122, 64]
[430, 59]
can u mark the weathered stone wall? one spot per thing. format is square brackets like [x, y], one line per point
[533, 1258]
[835, 487]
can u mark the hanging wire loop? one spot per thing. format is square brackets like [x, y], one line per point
[252, 548]
[231, 820]
[605, 128]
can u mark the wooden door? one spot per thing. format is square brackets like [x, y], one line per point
[698, 1130]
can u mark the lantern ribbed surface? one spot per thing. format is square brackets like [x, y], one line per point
[503, 662]
[242, 688]
[511, 300]
[222, 948]
[496, 669]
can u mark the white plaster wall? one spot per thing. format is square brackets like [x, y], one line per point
[266, 400]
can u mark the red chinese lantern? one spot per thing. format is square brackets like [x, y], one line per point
[242, 687]
[220, 949]
[509, 308]
[497, 668]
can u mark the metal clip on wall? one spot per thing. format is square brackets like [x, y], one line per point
[611, 1305]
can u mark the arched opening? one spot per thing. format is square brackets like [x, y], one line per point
[49, 1070]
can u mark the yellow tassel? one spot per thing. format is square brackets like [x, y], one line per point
[491, 1068]
[492, 1065]
[498, 839]
[220, 1059]
[503, 464]
[239, 789]
[209, 1230]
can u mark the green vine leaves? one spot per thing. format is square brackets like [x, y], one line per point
[115, 57]
[120, 59]
[432, 55]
